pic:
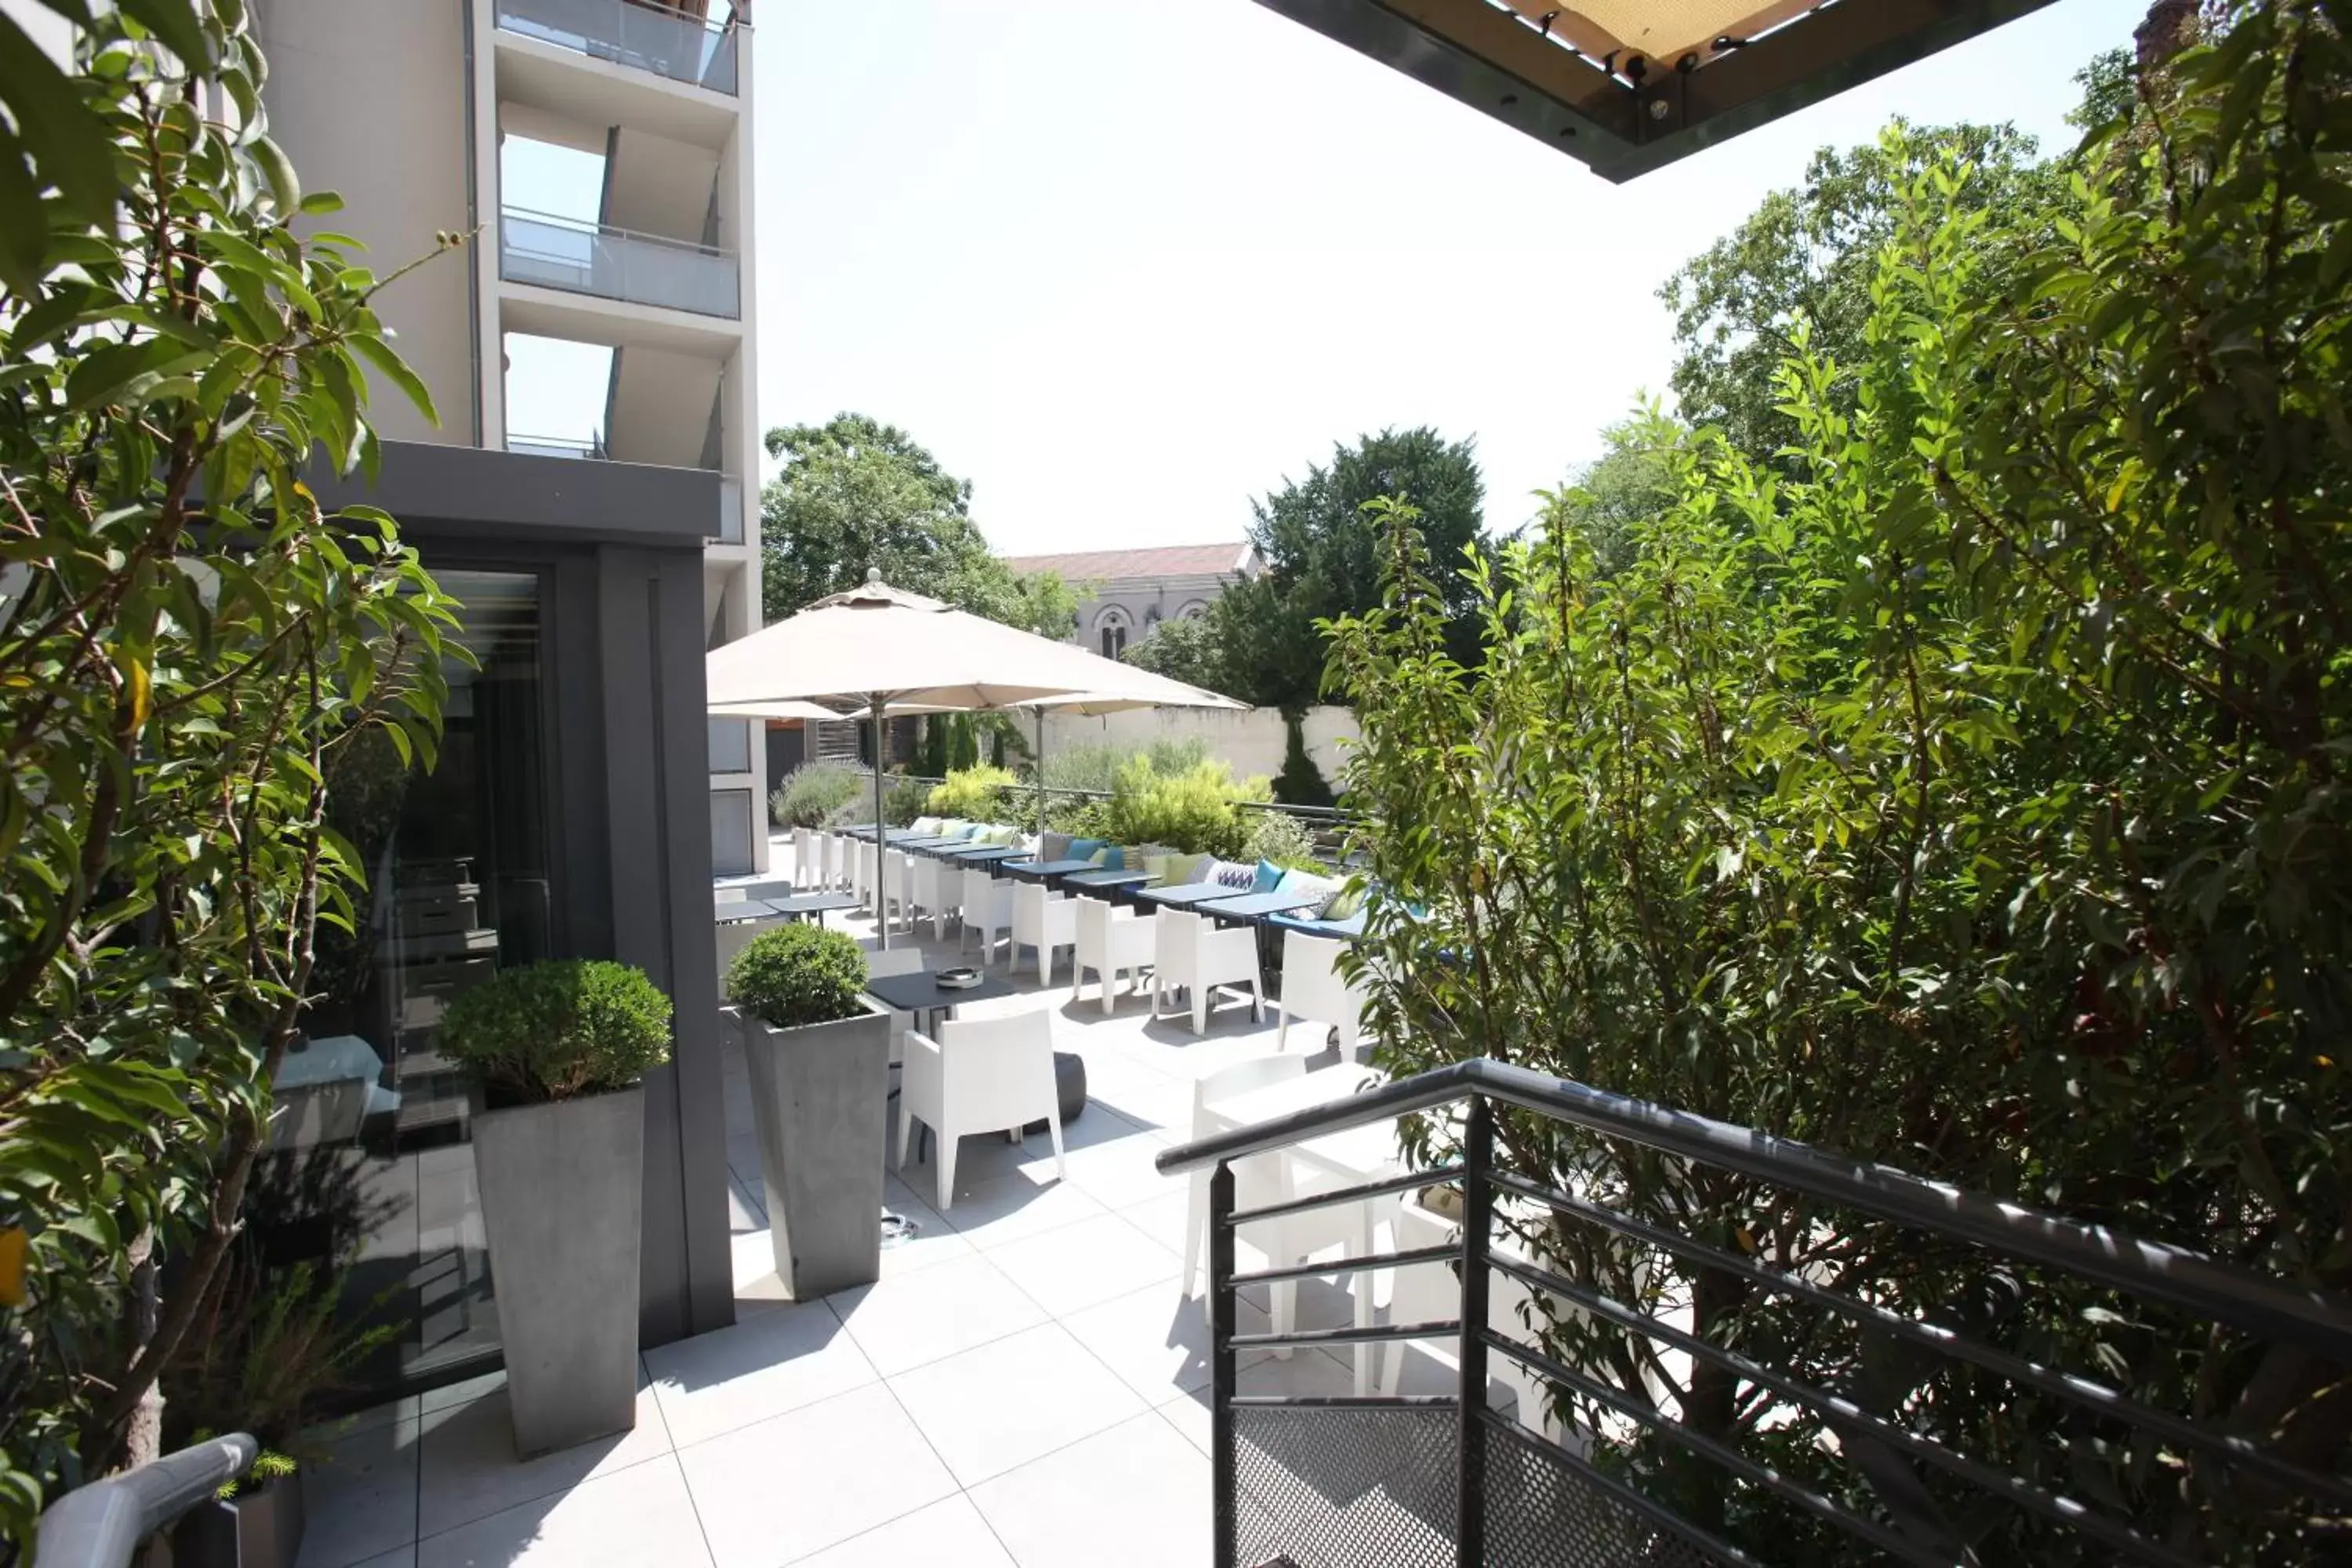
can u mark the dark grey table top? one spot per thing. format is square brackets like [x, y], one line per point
[985, 852]
[1188, 893]
[1106, 879]
[1037, 870]
[815, 903]
[1255, 906]
[921, 991]
[734, 909]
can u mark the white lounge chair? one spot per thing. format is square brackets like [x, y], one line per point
[982, 1075]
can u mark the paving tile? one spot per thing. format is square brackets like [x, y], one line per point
[948, 1534]
[1138, 1484]
[1162, 1218]
[782, 1489]
[638, 1516]
[1116, 1172]
[1190, 1415]
[398, 1557]
[359, 1500]
[1154, 1339]
[469, 1471]
[462, 1392]
[1008, 1207]
[1003, 1404]
[761, 1366]
[934, 1313]
[934, 1241]
[1083, 1264]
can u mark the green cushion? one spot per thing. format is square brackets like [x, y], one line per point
[1343, 904]
[1183, 868]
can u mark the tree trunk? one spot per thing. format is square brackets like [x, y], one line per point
[142, 1437]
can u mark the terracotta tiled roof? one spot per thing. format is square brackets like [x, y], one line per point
[1114, 566]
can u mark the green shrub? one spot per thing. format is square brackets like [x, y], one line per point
[973, 795]
[904, 800]
[1282, 838]
[812, 792]
[1192, 811]
[555, 1030]
[798, 974]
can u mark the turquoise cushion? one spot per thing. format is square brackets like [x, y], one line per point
[1084, 849]
[1110, 858]
[1269, 877]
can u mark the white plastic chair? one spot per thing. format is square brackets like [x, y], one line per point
[1432, 1293]
[1314, 990]
[1261, 1180]
[880, 964]
[898, 886]
[1045, 921]
[987, 908]
[807, 869]
[836, 859]
[937, 891]
[1191, 952]
[1109, 940]
[982, 1075]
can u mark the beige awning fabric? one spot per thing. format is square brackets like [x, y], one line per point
[1660, 30]
[807, 712]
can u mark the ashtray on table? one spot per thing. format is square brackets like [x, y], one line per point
[958, 979]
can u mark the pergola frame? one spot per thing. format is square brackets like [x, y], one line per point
[1550, 72]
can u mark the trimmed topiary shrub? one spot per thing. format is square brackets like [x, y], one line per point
[559, 1029]
[798, 974]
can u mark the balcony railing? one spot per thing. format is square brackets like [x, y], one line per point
[646, 37]
[618, 263]
[555, 447]
[730, 510]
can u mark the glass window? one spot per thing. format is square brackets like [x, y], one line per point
[730, 832]
[371, 1172]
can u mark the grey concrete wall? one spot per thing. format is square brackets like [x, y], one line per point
[368, 100]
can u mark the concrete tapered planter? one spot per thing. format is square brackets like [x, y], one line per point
[563, 1200]
[261, 1528]
[819, 1094]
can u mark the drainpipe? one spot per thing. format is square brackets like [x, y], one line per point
[473, 227]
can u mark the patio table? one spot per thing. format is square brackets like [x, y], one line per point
[921, 994]
[927, 842]
[1107, 882]
[1046, 870]
[815, 904]
[1184, 895]
[1256, 907]
[984, 853]
[735, 910]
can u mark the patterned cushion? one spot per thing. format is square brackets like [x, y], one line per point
[1232, 873]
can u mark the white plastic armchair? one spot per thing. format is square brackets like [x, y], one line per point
[933, 889]
[883, 962]
[987, 908]
[836, 859]
[1314, 990]
[1045, 921]
[808, 859]
[898, 886]
[982, 1075]
[1111, 940]
[1191, 952]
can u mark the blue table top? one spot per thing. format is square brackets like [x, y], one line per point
[1255, 906]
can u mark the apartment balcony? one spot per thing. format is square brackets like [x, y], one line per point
[644, 37]
[583, 258]
[731, 489]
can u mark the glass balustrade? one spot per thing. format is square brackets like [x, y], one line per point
[646, 36]
[617, 263]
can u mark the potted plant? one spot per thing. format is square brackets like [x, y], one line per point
[819, 1061]
[559, 1050]
[272, 1343]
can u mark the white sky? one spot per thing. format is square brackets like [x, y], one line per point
[1125, 266]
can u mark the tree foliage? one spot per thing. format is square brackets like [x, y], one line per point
[1960, 792]
[1809, 255]
[187, 644]
[856, 494]
[1322, 561]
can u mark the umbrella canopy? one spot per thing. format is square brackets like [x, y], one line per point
[901, 652]
[777, 710]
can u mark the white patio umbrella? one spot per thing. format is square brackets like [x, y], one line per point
[806, 711]
[897, 651]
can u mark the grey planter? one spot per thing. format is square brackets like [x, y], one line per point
[563, 1200]
[819, 1095]
[260, 1528]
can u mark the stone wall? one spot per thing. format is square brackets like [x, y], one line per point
[1251, 741]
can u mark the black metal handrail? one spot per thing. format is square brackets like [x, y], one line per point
[1894, 1513]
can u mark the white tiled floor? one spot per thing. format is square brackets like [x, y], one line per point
[1024, 1384]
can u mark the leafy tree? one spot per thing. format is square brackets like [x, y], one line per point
[187, 645]
[1323, 561]
[856, 494]
[1630, 483]
[1185, 651]
[1808, 253]
[1963, 792]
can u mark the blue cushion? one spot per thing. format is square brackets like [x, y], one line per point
[1269, 877]
[1114, 857]
[1084, 849]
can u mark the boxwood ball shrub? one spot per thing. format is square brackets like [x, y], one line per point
[798, 974]
[555, 1030]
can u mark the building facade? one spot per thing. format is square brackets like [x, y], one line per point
[597, 562]
[1124, 595]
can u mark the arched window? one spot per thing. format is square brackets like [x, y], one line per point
[1110, 631]
[1192, 610]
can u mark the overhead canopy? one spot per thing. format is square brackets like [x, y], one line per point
[1628, 85]
[776, 710]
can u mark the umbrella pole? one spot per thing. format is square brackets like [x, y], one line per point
[1041, 773]
[881, 837]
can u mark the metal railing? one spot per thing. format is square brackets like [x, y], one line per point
[557, 447]
[1936, 1437]
[583, 258]
[648, 37]
[100, 1525]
